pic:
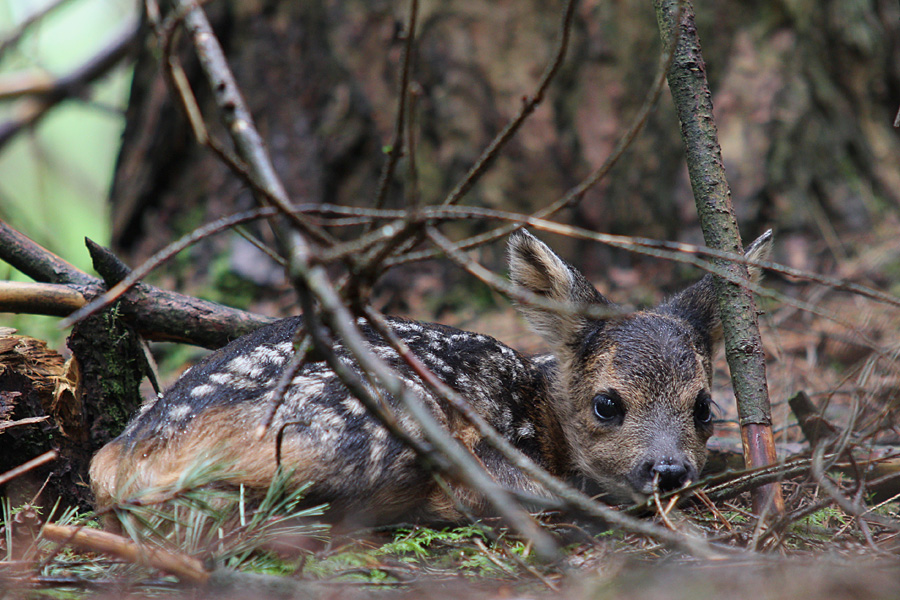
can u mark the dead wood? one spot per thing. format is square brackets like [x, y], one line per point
[156, 314]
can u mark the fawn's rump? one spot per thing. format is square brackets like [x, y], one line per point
[232, 455]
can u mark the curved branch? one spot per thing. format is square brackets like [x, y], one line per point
[70, 85]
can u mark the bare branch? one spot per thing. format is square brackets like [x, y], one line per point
[396, 149]
[529, 104]
[31, 464]
[155, 313]
[186, 568]
[70, 85]
[743, 344]
[36, 261]
[573, 196]
[239, 122]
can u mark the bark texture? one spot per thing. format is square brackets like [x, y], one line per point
[805, 93]
[737, 309]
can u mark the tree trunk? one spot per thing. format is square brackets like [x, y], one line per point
[804, 94]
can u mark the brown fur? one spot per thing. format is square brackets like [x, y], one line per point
[621, 406]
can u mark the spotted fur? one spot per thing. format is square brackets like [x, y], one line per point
[619, 405]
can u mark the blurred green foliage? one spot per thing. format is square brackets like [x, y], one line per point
[55, 177]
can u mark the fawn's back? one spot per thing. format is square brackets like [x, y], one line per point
[621, 404]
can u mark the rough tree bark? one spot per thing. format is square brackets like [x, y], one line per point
[743, 344]
[804, 93]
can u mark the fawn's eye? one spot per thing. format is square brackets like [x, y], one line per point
[703, 408]
[608, 407]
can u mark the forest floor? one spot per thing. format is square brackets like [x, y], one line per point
[838, 538]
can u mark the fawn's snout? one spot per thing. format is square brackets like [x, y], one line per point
[636, 407]
[665, 474]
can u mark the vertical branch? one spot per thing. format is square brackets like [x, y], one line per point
[396, 149]
[743, 345]
[237, 119]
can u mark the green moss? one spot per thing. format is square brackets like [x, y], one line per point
[463, 550]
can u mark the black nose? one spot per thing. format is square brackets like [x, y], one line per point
[670, 474]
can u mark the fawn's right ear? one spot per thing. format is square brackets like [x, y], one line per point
[698, 303]
[534, 267]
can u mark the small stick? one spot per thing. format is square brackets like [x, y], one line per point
[184, 567]
[712, 507]
[31, 464]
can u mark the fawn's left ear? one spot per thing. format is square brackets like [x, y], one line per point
[534, 267]
[698, 306]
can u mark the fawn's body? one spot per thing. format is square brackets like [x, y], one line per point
[622, 403]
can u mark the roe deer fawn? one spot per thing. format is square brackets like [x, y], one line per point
[621, 404]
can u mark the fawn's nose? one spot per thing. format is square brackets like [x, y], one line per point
[671, 476]
[668, 473]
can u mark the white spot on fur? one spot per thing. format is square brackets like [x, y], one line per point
[203, 390]
[179, 412]
[385, 352]
[244, 365]
[354, 406]
[405, 327]
[310, 386]
[266, 354]
[223, 378]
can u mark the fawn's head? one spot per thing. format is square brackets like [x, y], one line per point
[634, 403]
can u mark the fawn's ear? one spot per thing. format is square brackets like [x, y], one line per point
[698, 305]
[534, 267]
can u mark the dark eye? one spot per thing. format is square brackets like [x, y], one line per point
[608, 407]
[703, 409]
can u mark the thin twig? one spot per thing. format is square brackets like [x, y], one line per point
[573, 196]
[239, 122]
[396, 149]
[27, 466]
[529, 104]
[19, 422]
[302, 347]
[159, 258]
[71, 84]
[712, 507]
